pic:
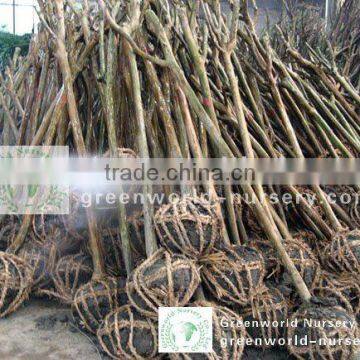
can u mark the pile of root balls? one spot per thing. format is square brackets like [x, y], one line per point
[186, 79]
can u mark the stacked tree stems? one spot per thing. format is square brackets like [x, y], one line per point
[173, 79]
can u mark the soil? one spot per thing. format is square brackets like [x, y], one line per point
[43, 330]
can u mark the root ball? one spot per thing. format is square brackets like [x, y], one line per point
[323, 340]
[71, 272]
[234, 274]
[305, 261]
[268, 307]
[162, 280]
[126, 334]
[15, 283]
[94, 300]
[41, 257]
[343, 253]
[190, 226]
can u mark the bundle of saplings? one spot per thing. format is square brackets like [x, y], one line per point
[187, 79]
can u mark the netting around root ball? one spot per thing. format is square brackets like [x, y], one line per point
[269, 307]
[343, 253]
[15, 282]
[70, 274]
[321, 341]
[345, 284]
[234, 274]
[334, 295]
[190, 226]
[228, 335]
[162, 280]
[265, 248]
[126, 334]
[41, 257]
[94, 300]
[305, 261]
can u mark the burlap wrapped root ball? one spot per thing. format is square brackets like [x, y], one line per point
[162, 280]
[268, 306]
[126, 334]
[343, 253]
[323, 340]
[15, 282]
[234, 274]
[71, 272]
[190, 226]
[94, 300]
[228, 335]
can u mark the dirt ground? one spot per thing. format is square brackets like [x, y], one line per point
[43, 330]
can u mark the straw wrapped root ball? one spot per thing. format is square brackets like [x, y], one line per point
[315, 335]
[268, 307]
[126, 334]
[15, 282]
[190, 226]
[94, 300]
[343, 253]
[162, 280]
[228, 335]
[234, 274]
[71, 272]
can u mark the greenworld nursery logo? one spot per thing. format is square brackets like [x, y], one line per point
[185, 330]
[39, 197]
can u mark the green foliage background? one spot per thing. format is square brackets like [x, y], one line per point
[8, 44]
